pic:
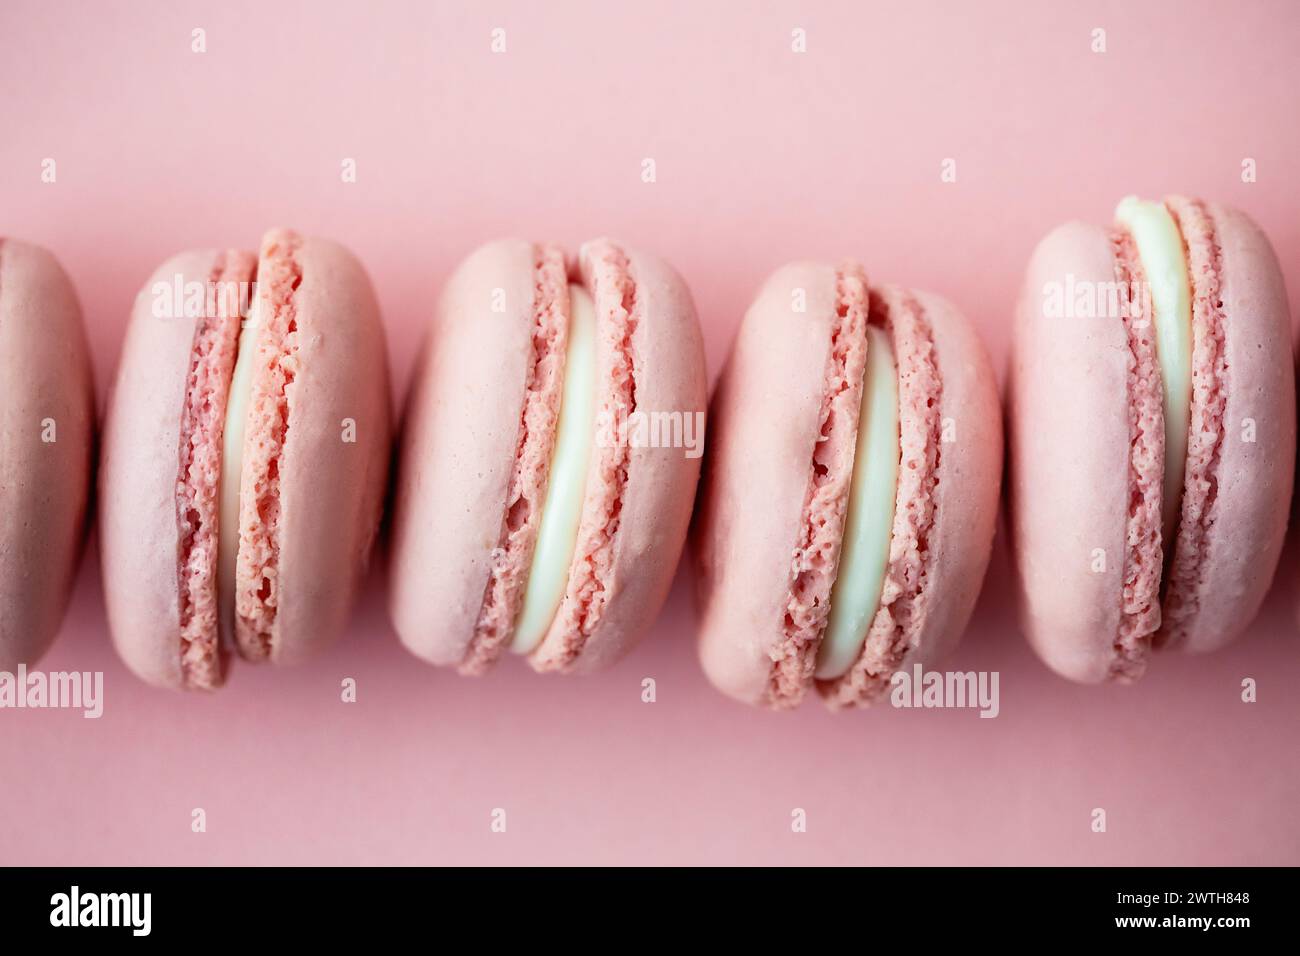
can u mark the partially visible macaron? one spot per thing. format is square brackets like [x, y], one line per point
[550, 451]
[847, 509]
[47, 424]
[246, 447]
[1152, 423]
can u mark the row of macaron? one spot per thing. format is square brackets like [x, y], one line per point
[552, 466]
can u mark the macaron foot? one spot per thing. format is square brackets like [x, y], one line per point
[513, 554]
[198, 484]
[815, 561]
[904, 597]
[1144, 552]
[607, 272]
[1206, 430]
[256, 576]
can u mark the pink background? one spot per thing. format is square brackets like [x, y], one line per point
[762, 156]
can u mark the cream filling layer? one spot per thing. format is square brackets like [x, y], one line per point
[232, 466]
[1160, 249]
[557, 533]
[869, 523]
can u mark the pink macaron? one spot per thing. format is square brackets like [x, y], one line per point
[47, 416]
[1152, 413]
[849, 499]
[550, 451]
[245, 454]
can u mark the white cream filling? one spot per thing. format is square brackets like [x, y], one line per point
[1160, 249]
[557, 534]
[232, 465]
[869, 523]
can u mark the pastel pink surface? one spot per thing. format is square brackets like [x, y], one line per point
[755, 167]
[47, 425]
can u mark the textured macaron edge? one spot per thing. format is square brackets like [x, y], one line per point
[816, 553]
[1206, 419]
[905, 595]
[624, 569]
[1237, 489]
[333, 461]
[198, 482]
[764, 417]
[529, 473]
[951, 452]
[1090, 613]
[139, 534]
[607, 274]
[271, 403]
[1145, 549]
[459, 444]
[968, 482]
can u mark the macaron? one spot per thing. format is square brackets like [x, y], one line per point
[849, 497]
[550, 451]
[47, 424]
[1152, 434]
[245, 452]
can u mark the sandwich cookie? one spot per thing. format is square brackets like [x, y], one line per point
[1152, 424]
[550, 452]
[245, 452]
[847, 509]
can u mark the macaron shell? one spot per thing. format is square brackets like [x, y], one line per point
[969, 480]
[1069, 442]
[655, 508]
[138, 530]
[968, 477]
[764, 422]
[459, 440]
[1254, 478]
[44, 485]
[331, 488]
